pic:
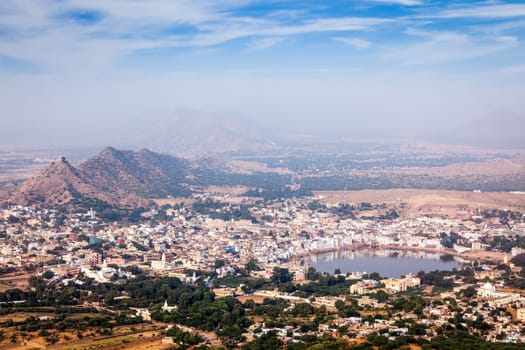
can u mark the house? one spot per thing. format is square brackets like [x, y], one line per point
[396, 285]
[142, 312]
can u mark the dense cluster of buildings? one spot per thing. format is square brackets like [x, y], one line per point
[185, 239]
[173, 240]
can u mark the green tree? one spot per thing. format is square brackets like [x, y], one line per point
[303, 310]
[281, 275]
[268, 341]
[251, 265]
[48, 274]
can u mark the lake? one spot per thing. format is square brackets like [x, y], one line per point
[388, 263]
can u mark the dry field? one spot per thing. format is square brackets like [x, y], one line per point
[497, 167]
[16, 280]
[22, 173]
[140, 340]
[247, 167]
[256, 298]
[416, 201]
[144, 340]
[22, 316]
[227, 190]
[173, 201]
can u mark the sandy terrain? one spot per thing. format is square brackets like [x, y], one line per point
[16, 280]
[173, 201]
[418, 201]
[231, 190]
[141, 340]
[247, 167]
[256, 298]
[22, 172]
[497, 167]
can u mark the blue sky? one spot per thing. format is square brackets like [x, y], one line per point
[67, 56]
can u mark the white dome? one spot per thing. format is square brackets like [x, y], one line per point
[489, 286]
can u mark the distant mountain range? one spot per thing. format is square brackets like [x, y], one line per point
[190, 133]
[125, 179]
[495, 130]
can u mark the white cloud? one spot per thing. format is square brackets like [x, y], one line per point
[271, 32]
[354, 42]
[499, 27]
[444, 36]
[57, 44]
[326, 25]
[511, 70]
[506, 39]
[265, 43]
[442, 47]
[160, 11]
[490, 11]
[400, 2]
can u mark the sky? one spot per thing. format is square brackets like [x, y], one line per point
[78, 73]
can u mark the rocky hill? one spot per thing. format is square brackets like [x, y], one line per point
[144, 173]
[58, 184]
[125, 179]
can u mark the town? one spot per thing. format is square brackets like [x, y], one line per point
[259, 253]
[262, 175]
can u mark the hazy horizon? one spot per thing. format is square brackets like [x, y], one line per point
[76, 74]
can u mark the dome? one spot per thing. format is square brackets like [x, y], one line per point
[489, 287]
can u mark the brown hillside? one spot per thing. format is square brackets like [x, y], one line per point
[56, 185]
[119, 178]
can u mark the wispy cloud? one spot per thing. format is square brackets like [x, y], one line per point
[265, 43]
[482, 11]
[354, 42]
[246, 27]
[400, 2]
[65, 34]
[443, 47]
[499, 27]
[511, 70]
[80, 36]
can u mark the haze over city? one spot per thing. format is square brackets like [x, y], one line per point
[248, 174]
[76, 73]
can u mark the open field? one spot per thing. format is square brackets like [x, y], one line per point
[140, 340]
[145, 340]
[173, 201]
[22, 172]
[227, 190]
[15, 280]
[418, 201]
[21, 316]
[21, 164]
[256, 298]
[497, 167]
[250, 167]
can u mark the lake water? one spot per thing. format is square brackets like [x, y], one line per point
[388, 263]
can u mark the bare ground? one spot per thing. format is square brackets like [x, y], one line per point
[173, 201]
[250, 167]
[416, 201]
[497, 167]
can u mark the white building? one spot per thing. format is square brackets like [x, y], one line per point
[497, 299]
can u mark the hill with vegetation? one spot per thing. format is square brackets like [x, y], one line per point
[117, 178]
